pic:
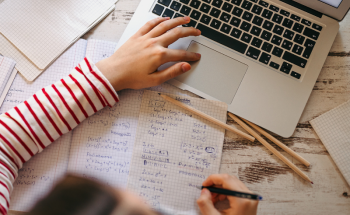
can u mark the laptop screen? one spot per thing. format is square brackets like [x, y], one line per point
[334, 3]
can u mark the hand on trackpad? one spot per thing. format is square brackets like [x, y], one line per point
[215, 74]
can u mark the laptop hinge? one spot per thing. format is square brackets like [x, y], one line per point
[303, 7]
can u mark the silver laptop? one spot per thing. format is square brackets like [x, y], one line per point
[261, 57]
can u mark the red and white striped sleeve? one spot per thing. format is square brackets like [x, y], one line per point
[53, 111]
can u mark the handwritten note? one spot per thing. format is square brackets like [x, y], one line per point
[175, 151]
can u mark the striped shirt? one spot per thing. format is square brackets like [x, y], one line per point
[30, 127]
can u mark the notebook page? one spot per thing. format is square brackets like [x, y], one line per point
[175, 151]
[102, 145]
[7, 86]
[40, 173]
[333, 128]
[6, 68]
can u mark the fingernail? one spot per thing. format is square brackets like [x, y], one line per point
[185, 67]
[199, 32]
[198, 55]
[205, 192]
[167, 18]
[187, 19]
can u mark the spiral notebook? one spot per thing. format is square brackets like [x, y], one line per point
[333, 128]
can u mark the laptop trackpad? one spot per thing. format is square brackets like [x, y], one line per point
[215, 74]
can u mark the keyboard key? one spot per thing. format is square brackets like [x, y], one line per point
[207, 1]
[267, 25]
[297, 49]
[256, 42]
[265, 58]
[288, 34]
[236, 33]
[215, 12]
[217, 3]
[311, 33]
[284, 70]
[185, 10]
[247, 5]
[168, 13]
[247, 16]
[175, 5]
[295, 75]
[222, 39]
[205, 19]
[215, 24]
[246, 26]
[195, 4]
[277, 18]
[205, 8]
[266, 35]
[287, 23]
[253, 53]
[236, 2]
[317, 27]
[195, 15]
[267, 47]
[274, 8]
[287, 45]
[276, 40]
[309, 44]
[278, 30]
[235, 22]
[192, 23]
[298, 28]
[257, 9]
[158, 9]
[246, 37]
[257, 20]
[237, 11]
[256, 31]
[306, 22]
[227, 7]
[267, 14]
[286, 65]
[164, 2]
[225, 17]
[185, 1]
[292, 58]
[263, 3]
[255, 1]
[178, 15]
[277, 51]
[274, 65]
[226, 28]
[284, 13]
[299, 39]
[295, 17]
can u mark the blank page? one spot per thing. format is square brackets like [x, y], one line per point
[333, 128]
[175, 151]
[40, 173]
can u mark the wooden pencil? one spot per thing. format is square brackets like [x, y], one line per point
[207, 117]
[271, 148]
[277, 142]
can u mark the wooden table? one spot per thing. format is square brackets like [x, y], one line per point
[284, 192]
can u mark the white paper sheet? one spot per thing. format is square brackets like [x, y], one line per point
[6, 70]
[175, 151]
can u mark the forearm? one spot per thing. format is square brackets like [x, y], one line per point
[53, 111]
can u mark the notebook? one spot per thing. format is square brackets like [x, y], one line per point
[114, 137]
[7, 73]
[35, 33]
[333, 128]
[175, 151]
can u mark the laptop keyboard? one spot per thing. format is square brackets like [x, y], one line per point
[255, 28]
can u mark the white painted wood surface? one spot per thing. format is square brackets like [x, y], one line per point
[284, 192]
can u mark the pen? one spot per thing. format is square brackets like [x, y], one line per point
[234, 193]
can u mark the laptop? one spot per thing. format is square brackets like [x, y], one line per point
[261, 57]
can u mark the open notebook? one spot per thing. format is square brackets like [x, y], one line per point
[7, 74]
[333, 128]
[109, 133]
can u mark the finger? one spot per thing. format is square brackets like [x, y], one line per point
[177, 33]
[173, 55]
[163, 27]
[171, 72]
[224, 180]
[205, 203]
[150, 25]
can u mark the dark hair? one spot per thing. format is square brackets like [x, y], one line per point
[78, 196]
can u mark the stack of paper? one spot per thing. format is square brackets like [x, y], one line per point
[36, 32]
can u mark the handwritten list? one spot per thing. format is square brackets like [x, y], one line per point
[175, 151]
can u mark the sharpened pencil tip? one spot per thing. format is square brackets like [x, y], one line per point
[159, 94]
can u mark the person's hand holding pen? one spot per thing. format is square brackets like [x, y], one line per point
[238, 206]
